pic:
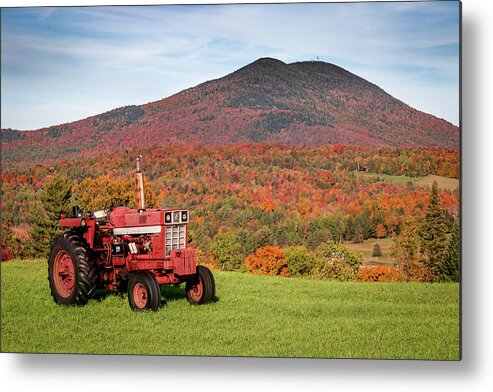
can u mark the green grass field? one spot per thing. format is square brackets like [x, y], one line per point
[254, 316]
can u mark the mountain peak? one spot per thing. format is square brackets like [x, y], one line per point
[268, 61]
[309, 102]
[261, 66]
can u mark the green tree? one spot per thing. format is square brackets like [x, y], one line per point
[198, 237]
[41, 234]
[433, 234]
[263, 237]
[360, 227]
[301, 261]
[377, 251]
[317, 233]
[226, 250]
[450, 268]
[252, 241]
[57, 198]
[289, 232]
[55, 201]
[339, 263]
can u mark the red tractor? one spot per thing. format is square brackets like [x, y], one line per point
[123, 248]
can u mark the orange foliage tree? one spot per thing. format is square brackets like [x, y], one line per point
[379, 273]
[380, 231]
[268, 260]
[409, 252]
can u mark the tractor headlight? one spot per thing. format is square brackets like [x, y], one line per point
[83, 223]
[167, 217]
[184, 216]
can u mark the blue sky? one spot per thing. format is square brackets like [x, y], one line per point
[63, 64]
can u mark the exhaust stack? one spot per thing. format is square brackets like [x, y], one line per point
[139, 186]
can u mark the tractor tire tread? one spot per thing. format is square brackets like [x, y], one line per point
[213, 291]
[86, 271]
[151, 284]
[209, 288]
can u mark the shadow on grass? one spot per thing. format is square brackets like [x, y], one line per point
[175, 293]
[168, 292]
[101, 294]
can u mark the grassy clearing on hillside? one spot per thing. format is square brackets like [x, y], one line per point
[365, 249]
[254, 316]
[399, 180]
[443, 182]
[427, 181]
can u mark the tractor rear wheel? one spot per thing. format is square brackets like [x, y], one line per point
[71, 272]
[201, 289]
[213, 288]
[144, 292]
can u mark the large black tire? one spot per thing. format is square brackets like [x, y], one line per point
[201, 289]
[144, 292]
[72, 274]
[213, 294]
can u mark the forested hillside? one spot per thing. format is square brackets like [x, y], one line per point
[305, 103]
[261, 194]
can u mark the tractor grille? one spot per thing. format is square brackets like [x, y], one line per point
[175, 237]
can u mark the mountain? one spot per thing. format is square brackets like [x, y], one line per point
[266, 101]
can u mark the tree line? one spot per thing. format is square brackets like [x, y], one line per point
[247, 197]
[427, 246]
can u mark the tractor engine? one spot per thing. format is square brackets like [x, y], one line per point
[150, 230]
[151, 239]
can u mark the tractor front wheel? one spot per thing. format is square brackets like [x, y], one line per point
[71, 273]
[202, 288]
[144, 292]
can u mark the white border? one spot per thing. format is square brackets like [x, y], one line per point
[473, 373]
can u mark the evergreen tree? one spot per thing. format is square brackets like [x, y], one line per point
[55, 201]
[377, 251]
[450, 268]
[433, 234]
[263, 237]
[56, 198]
[41, 234]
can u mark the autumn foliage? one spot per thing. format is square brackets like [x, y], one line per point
[273, 156]
[268, 260]
[7, 252]
[379, 274]
[305, 103]
[229, 185]
[244, 198]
